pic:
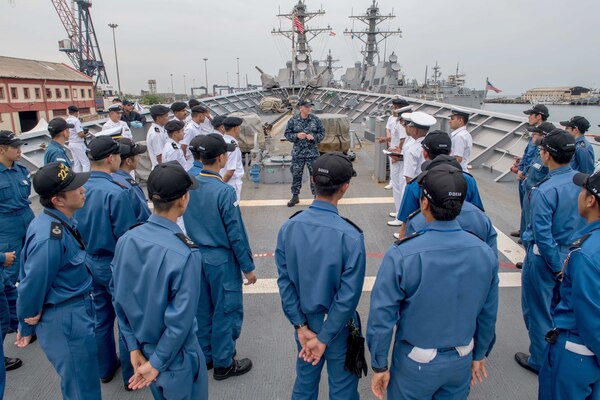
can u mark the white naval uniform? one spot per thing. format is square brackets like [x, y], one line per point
[462, 143]
[234, 162]
[81, 163]
[413, 158]
[155, 140]
[397, 168]
[126, 132]
[191, 130]
[206, 127]
[172, 152]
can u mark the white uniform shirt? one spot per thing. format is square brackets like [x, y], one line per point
[73, 134]
[234, 162]
[398, 133]
[462, 143]
[126, 132]
[206, 127]
[191, 130]
[155, 140]
[413, 158]
[172, 152]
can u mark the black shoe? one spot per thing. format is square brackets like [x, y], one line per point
[33, 338]
[519, 265]
[209, 366]
[110, 377]
[515, 234]
[293, 201]
[237, 368]
[520, 241]
[523, 360]
[127, 387]
[11, 364]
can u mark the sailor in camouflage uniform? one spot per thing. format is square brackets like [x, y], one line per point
[305, 131]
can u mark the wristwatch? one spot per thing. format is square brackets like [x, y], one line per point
[302, 325]
[379, 370]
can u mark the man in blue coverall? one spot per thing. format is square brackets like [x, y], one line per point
[439, 289]
[130, 158]
[571, 369]
[552, 223]
[213, 220]
[55, 287]
[15, 216]
[157, 272]
[105, 217]
[583, 160]
[59, 131]
[320, 288]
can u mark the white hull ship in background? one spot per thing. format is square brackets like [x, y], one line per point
[372, 74]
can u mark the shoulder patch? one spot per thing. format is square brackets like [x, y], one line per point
[582, 144]
[156, 129]
[296, 213]
[56, 230]
[353, 224]
[187, 241]
[407, 238]
[174, 145]
[136, 225]
[132, 181]
[577, 244]
[413, 214]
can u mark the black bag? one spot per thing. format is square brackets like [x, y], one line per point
[355, 354]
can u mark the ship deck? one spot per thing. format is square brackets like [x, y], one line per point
[267, 337]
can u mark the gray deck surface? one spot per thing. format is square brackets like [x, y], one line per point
[267, 337]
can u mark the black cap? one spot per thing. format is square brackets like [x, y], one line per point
[169, 181]
[57, 125]
[577, 122]
[558, 142]
[440, 160]
[127, 102]
[400, 102]
[131, 149]
[174, 125]
[178, 106]
[101, 147]
[218, 121]
[210, 146]
[538, 109]
[7, 138]
[193, 102]
[116, 99]
[436, 141]
[57, 177]
[332, 169]
[231, 122]
[158, 110]
[73, 108]
[543, 128]
[590, 182]
[305, 102]
[442, 183]
[199, 109]
[115, 108]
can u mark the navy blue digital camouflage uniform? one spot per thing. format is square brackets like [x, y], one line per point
[305, 151]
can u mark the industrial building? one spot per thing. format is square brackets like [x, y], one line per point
[557, 95]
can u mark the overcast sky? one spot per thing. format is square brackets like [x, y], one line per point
[518, 44]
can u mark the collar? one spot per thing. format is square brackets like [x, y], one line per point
[70, 221]
[454, 132]
[580, 139]
[3, 167]
[101, 175]
[323, 205]
[442, 226]
[55, 144]
[560, 170]
[165, 223]
[210, 174]
[123, 173]
[195, 124]
[198, 164]
[590, 227]
[154, 124]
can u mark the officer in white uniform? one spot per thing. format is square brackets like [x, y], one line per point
[397, 104]
[76, 143]
[193, 129]
[397, 140]
[418, 127]
[179, 111]
[114, 121]
[462, 142]
[157, 136]
[172, 150]
[233, 172]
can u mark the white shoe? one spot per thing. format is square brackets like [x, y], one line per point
[395, 222]
[393, 215]
[388, 186]
[397, 235]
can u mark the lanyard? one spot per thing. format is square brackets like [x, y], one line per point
[73, 232]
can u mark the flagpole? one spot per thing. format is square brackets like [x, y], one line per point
[293, 53]
[487, 79]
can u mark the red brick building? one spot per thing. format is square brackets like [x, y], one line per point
[31, 90]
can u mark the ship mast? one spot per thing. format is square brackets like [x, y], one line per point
[371, 36]
[302, 68]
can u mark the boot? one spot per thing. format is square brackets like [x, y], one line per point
[237, 368]
[293, 201]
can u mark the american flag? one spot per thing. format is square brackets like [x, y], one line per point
[489, 86]
[298, 25]
[331, 33]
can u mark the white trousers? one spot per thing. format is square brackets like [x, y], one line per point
[398, 182]
[237, 185]
[81, 162]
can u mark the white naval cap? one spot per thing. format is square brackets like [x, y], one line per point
[402, 110]
[406, 116]
[422, 120]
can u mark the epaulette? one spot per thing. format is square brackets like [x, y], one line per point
[136, 225]
[56, 230]
[174, 145]
[156, 129]
[582, 144]
[234, 143]
[296, 213]
[353, 224]
[132, 181]
[413, 214]
[188, 242]
[119, 184]
[540, 182]
[577, 244]
[407, 238]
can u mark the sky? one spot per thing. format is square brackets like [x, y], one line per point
[518, 44]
